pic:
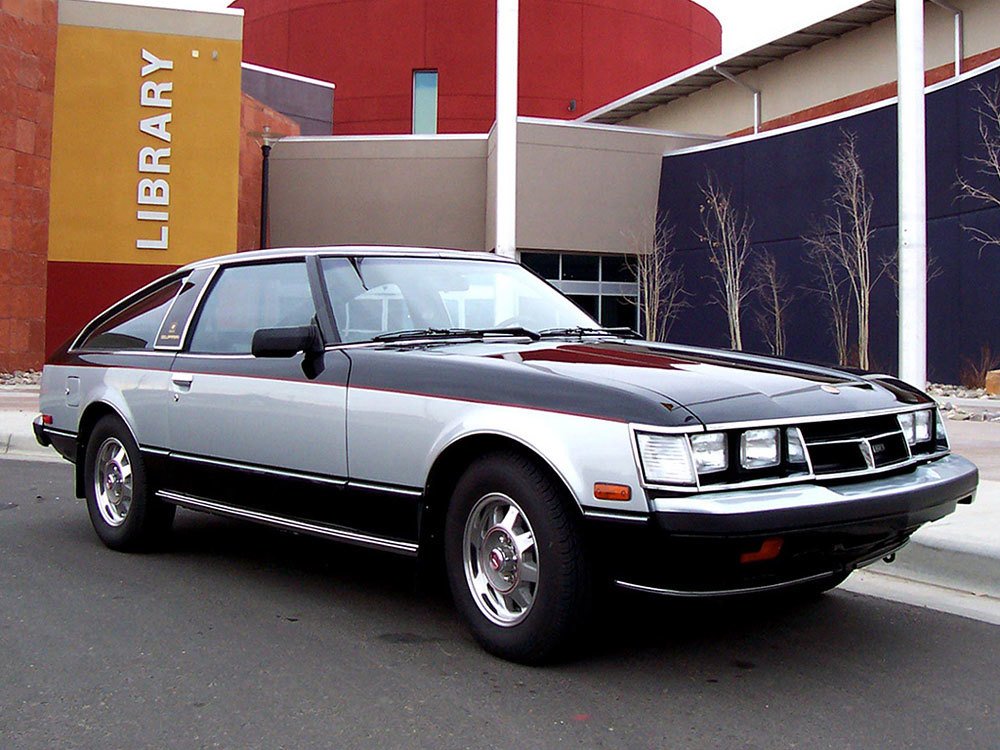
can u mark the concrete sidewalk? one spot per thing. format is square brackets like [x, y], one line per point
[960, 552]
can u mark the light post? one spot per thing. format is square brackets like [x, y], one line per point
[268, 139]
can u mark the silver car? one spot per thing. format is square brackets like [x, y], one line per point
[428, 401]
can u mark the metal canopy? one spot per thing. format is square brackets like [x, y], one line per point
[705, 76]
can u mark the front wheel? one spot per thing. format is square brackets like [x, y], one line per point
[121, 511]
[515, 560]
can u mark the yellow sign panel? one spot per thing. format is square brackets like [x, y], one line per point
[145, 147]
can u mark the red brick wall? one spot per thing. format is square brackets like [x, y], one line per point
[253, 117]
[27, 74]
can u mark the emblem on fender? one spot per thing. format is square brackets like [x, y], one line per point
[830, 388]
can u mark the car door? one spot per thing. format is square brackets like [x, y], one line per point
[261, 433]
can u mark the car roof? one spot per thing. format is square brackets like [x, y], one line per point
[345, 250]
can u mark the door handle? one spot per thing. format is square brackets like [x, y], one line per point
[182, 382]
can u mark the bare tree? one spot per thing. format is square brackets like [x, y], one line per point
[726, 232]
[833, 290]
[771, 287]
[659, 277]
[842, 237]
[987, 165]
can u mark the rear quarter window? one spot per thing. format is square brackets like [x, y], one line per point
[136, 326]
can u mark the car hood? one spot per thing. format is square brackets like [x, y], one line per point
[715, 386]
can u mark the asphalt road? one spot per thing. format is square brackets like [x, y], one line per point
[242, 637]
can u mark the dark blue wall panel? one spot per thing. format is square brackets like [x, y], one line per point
[785, 182]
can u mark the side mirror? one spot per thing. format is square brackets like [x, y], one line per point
[285, 342]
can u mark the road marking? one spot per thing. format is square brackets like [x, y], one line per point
[939, 598]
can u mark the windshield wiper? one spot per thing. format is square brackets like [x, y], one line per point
[419, 333]
[622, 332]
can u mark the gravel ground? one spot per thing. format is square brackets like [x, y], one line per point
[942, 390]
[987, 410]
[20, 377]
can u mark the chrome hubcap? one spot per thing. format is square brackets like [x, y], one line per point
[113, 482]
[500, 559]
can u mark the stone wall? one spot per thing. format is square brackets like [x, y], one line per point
[27, 73]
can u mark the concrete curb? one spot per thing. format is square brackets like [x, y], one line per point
[972, 529]
[18, 407]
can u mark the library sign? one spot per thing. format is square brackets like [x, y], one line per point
[146, 133]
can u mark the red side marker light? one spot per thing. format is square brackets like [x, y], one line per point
[605, 491]
[768, 551]
[46, 419]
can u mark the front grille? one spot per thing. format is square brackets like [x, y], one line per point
[855, 445]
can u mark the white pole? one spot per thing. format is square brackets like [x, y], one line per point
[912, 193]
[506, 129]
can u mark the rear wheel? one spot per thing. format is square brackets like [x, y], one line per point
[121, 511]
[515, 559]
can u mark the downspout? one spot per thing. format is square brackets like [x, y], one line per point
[959, 33]
[756, 94]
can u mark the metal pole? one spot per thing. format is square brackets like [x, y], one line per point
[506, 129]
[265, 150]
[912, 193]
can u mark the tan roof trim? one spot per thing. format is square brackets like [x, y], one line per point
[224, 24]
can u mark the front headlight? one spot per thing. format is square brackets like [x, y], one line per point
[940, 433]
[666, 459]
[759, 448]
[916, 426]
[710, 453]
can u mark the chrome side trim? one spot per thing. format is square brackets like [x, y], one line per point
[305, 527]
[129, 352]
[154, 451]
[192, 355]
[722, 592]
[260, 469]
[605, 515]
[56, 431]
[384, 488]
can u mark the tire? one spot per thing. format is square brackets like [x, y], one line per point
[515, 560]
[123, 514]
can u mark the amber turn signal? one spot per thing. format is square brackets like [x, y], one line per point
[619, 492]
[768, 551]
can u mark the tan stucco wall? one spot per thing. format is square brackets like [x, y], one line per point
[389, 190]
[855, 62]
[582, 188]
[590, 188]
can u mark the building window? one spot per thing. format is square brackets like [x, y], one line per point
[425, 102]
[603, 286]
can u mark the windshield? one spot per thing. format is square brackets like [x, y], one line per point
[373, 297]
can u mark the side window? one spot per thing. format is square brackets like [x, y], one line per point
[361, 312]
[136, 326]
[245, 298]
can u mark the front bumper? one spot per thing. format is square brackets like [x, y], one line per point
[927, 493]
[692, 545]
